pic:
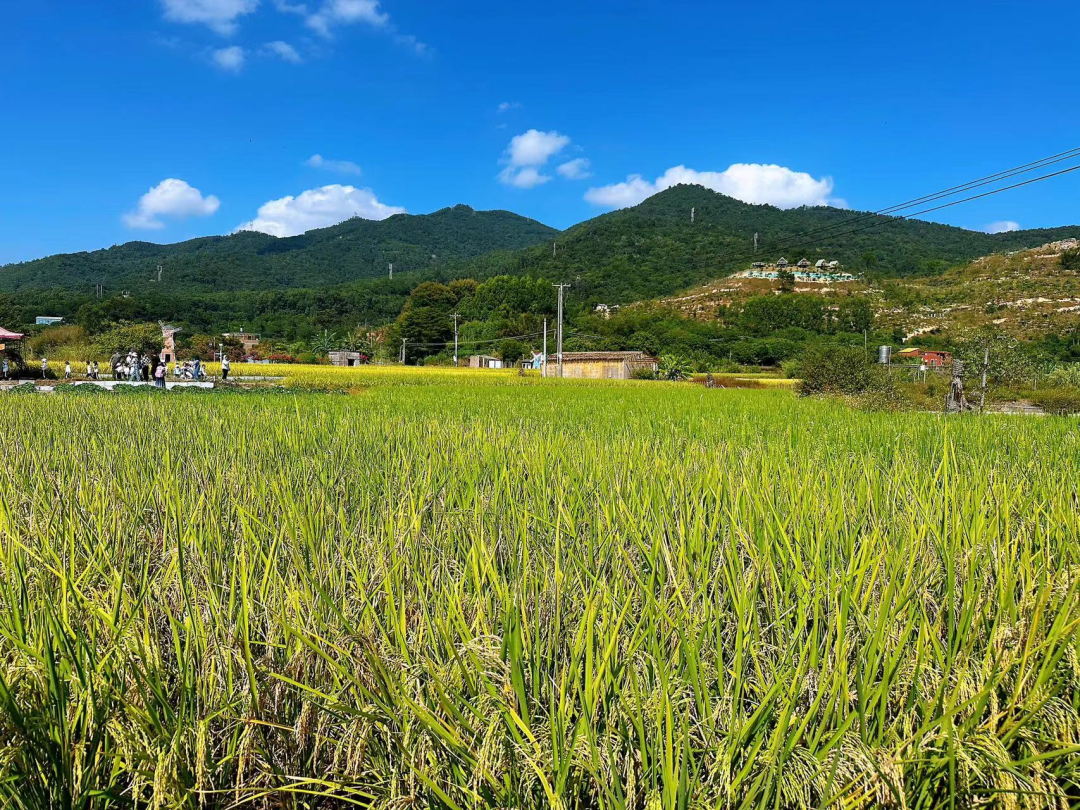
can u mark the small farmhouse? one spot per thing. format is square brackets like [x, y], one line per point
[484, 361]
[928, 357]
[249, 341]
[607, 365]
[348, 359]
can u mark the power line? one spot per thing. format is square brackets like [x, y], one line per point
[977, 183]
[786, 244]
[950, 204]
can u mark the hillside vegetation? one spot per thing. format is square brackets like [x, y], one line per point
[336, 278]
[654, 249]
[353, 250]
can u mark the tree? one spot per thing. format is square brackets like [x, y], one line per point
[144, 338]
[827, 369]
[324, 342]
[1070, 259]
[675, 368]
[787, 279]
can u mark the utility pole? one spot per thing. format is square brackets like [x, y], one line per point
[160, 268]
[755, 242]
[559, 325]
[391, 271]
[543, 364]
[693, 214]
[985, 369]
[455, 316]
[553, 246]
[403, 350]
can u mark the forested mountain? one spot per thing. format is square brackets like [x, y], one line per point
[654, 249]
[353, 250]
[336, 278]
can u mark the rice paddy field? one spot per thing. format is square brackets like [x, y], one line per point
[482, 592]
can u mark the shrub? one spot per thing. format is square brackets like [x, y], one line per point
[675, 368]
[1059, 401]
[1070, 259]
[835, 370]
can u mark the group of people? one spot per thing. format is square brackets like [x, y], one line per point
[134, 367]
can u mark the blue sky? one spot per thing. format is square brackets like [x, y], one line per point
[545, 109]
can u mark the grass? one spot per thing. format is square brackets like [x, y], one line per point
[551, 595]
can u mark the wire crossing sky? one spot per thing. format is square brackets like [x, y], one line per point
[163, 120]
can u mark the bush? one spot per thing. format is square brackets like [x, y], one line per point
[1059, 401]
[835, 370]
[1070, 259]
[144, 338]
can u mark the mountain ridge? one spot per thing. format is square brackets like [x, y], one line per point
[352, 250]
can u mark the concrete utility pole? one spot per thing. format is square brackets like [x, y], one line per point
[160, 268]
[553, 246]
[693, 214]
[543, 360]
[455, 316]
[755, 242]
[391, 270]
[559, 325]
[403, 340]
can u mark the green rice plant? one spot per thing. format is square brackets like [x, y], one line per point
[537, 594]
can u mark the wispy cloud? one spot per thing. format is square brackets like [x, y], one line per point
[1002, 226]
[230, 59]
[576, 169]
[507, 106]
[339, 166]
[284, 51]
[218, 15]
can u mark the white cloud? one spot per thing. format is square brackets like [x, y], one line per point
[535, 148]
[1003, 226]
[341, 166]
[750, 182]
[318, 208]
[506, 106]
[409, 41]
[333, 13]
[576, 169]
[345, 12]
[170, 198]
[526, 177]
[230, 59]
[526, 154]
[284, 51]
[219, 15]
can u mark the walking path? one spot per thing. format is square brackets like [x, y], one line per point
[108, 385]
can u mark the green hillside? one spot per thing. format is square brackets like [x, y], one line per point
[353, 250]
[653, 249]
[335, 278]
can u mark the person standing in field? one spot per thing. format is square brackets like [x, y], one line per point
[198, 368]
[67, 370]
[44, 367]
[225, 366]
[159, 376]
